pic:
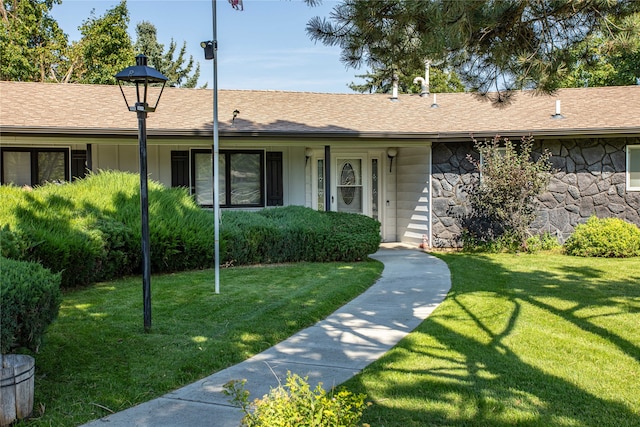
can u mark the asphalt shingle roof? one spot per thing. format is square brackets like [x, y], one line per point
[100, 110]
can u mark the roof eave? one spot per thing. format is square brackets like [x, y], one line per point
[232, 133]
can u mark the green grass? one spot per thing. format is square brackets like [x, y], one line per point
[96, 357]
[529, 340]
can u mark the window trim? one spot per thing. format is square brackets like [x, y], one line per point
[636, 150]
[228, 188]
[34, 151]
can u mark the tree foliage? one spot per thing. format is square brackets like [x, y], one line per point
[34, 48]
[179, 73]
[381, 81]
[32, 45]
[105, 47]
[503, 200]
[493, 45]
[608, 61]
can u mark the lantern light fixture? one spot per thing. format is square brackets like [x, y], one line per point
[143, 76]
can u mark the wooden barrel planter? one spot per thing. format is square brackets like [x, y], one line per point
[16, 387]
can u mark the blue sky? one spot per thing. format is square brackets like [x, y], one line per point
[264, 47]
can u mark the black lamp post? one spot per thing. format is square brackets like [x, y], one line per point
[142, 76]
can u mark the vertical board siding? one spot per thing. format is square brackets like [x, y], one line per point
[413, 187]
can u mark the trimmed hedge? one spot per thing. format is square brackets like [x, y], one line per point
[606, 237]
[296, 233]
[29, 299]
[90, 230]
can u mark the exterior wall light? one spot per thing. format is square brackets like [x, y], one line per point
[391, 153]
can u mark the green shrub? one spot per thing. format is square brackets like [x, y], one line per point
[296, 233]
[542, 242]
[502, 200]
[29, 299]
[90, 230]
[295, 404]
[502, 242]
[606, 237]
[12, 244]
[118, 255]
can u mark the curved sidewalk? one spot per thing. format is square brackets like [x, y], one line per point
[333, 350]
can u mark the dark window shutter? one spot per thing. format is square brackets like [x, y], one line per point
[275, 191]
[180, 169]
[78, 164]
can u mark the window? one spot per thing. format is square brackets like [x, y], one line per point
[321, 184]
[501, 152]
[633, 167]
[34, 166]
[241, 178]
[374, 189]
[349, 186]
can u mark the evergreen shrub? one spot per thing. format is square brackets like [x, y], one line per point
[604, 237]
[12, 244]
[90, 230]
[296, 233]
[29, 301]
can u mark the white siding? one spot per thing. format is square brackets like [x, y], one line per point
[413, 193]
[295, 179]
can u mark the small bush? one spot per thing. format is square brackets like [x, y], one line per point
[295, 404]
[503, 242]
[542, 242]
[29, 299]
[606, 237]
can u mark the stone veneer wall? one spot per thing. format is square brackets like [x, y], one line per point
[590, 180]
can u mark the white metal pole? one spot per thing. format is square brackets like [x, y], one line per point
[216, 163]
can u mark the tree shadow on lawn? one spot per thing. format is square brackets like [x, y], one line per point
[484, 379]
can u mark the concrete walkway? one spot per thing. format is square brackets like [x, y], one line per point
[412, 285]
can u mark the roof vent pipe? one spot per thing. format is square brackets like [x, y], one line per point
[435, 103]
[394, 94]
[427, 67]
[423, 87]
[557, 115]
[424, 81]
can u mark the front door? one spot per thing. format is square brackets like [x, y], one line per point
[349, 185]
[356, 183]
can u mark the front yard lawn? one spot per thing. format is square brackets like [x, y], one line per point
[97, 359]
[528, 340]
